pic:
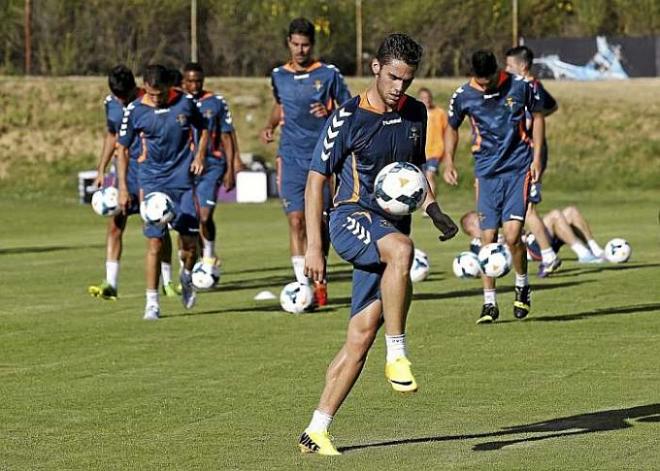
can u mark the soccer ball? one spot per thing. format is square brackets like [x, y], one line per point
[466, 265]
[296, 297]
[157, 208]
[400, 188]
[420, 267]
[495, 260]
[617, 250]
[205, 277]
[105, 202]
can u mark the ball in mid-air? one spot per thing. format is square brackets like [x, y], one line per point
[105, 202]
[618, 250]
[466, 265]
[157, 208]
[495, 260]
[400, 188]
[296, 297]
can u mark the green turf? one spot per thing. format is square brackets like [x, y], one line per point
[87, 384]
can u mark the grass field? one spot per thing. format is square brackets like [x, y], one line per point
[87, 384]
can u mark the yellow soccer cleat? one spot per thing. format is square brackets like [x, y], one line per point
[317, 442]
[103, 291]
[399, 375]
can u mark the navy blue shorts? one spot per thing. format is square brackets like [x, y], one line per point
[207, 184]
[291, 182]
[186, 221]
[431, 165]
[354, 233]
[501, 199]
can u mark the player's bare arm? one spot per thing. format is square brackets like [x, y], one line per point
[267, 133]
[314, 260]
[197, 166]
[122, 171]
[538, 135]
[108, 150]
[229, 180]
[450, 174]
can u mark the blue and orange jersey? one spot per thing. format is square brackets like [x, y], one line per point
[501, 142]
[166, 135]
[215, 110]
[358, 141]
[546, 102]
[296, 91]
[114, 112]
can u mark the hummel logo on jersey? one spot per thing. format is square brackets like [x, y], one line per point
[492, 95]
[161, 110]
[387, 122]
[333, 131]
[358, 230]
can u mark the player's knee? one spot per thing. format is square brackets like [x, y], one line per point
[570, 212]
[401, 254]
[154, 247]
[359, 342]
[297, 223]
[553, 215]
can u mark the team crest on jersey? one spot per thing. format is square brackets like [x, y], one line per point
[318, 85]
[510, 102]
[182, 119]
[208, 114]
[414, 135]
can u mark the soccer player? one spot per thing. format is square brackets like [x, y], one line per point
[219, 163]
[380, 126]
[561, 226]
[123, 91]
[306, 91]
[435, 146]
[164, 120]
[506, 162]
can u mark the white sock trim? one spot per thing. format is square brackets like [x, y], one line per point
[298, 262]
[490, 297]
[112, 272]
[320, 422]
[396, 346]
[522, 280]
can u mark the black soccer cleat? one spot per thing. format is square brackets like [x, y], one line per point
[489, 313]
[522, 303]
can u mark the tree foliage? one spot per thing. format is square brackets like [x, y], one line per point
[246, 37]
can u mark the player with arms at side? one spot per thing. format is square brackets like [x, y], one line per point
[163, 119]
[219, 164]
[381, 126]
[124, 90]
[435, 145]
[306, 91]
[506, 162]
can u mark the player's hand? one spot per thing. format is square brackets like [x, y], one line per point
[450, 174]
[535, 171]
[442, 222]
[318, 110]
[124, 200]
[197, 166]
[99, 180]
[266, 135]
[229, 180]
[315, 264]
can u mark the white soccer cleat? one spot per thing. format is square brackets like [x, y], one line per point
[151, 313]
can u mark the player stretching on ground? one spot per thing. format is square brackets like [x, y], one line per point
[306, 91]
[219, 163]
[163, 119]
[497, 104]
[381, 126]
[123, 88]
[435, 145]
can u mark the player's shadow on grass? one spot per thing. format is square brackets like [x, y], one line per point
[277, 281]
[608, 311]
[563, 427]
[48, 248]
[504, 289]
[597, 268]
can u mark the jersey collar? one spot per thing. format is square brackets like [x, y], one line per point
[501, 80]
[366, 105]
[313, 66]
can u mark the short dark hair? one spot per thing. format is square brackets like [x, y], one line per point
[522, 54]
[175, 77]
[400, 46]
[121, 81]
[303, 27]
[157, 76]
[484, 63]
[193, 67]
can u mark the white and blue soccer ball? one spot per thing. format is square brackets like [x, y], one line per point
[296, 297]
[618, 250]
[157, 208]
[400, 188]
[105, 202]
[495, 259]
[420, 267]
[466, 265]
[205, 276]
